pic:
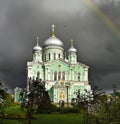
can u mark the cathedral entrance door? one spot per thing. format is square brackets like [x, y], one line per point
[61, 98]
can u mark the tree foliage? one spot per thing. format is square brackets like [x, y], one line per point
[108, 111]
[36, 99]
[3, 95]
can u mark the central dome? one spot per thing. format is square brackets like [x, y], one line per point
[53, 41]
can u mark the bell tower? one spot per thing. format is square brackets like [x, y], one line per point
[37, 52]
[72, 54]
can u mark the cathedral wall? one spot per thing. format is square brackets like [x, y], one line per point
[86, 74]
[79, 70]
[34, 69]
[75, 89]
[37, 56]
[72, 57]
[59, 67]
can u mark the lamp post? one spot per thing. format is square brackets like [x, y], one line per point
[67, 95]
[67, 87]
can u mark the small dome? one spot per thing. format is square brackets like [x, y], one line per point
[72, 49]
[37, 48]
[53, 41]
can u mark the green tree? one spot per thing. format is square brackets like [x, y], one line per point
[84, 100]
[40, 97]
[36, 99]
[91, 102]
[111, 108]
[108, 111]
[9, 99]
[3, 95]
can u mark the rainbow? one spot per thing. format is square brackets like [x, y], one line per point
[104, 18]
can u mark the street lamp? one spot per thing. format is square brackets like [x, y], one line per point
[67, 95]
[67, 87]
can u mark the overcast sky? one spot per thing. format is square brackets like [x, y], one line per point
[97, 43]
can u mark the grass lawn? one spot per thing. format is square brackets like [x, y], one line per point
[14, 110]
[44, 118]
[50, 119]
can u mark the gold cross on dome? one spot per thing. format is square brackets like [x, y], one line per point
[72, 42]
[53, 29]
[37, 40]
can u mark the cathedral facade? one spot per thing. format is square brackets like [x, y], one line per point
[62, 73]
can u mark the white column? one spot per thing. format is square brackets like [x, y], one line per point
[86, 74]
[41, 58]
[52, 75]
[65, 75]
[51, 54]
[75, 58]
[48, 75]
[71, 75]
[56, 55]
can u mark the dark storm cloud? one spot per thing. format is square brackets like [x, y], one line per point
[21, 21]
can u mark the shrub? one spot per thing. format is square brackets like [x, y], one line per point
[64, 110]
[13, 116]
[48, 109]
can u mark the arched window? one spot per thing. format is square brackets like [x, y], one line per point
[45, 57]
[63, 75]
[78, 76]
[54, 56]
[38, 75]
[55, 75]
[59, 55]
[59, 75]
[49, 56]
